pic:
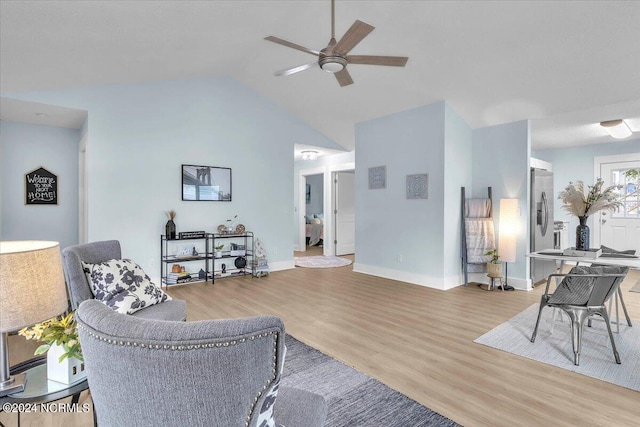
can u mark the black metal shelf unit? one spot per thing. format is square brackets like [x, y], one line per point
[236, 258]
[169, 256]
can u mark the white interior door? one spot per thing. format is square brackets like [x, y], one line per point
[621, 230]
[345, 212]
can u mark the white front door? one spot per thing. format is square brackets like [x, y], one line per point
[621, 230]
[345, 213]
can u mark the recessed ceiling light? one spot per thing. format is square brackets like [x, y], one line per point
[42, 115]
[617, 128]
[309, 155]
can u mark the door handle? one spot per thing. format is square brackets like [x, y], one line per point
[545, 208]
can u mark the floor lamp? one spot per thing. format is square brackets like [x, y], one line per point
[32, 290]
[508, 235]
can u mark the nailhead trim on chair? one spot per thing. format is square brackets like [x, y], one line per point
[198, 347]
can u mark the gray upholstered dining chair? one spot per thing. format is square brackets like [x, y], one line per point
[222, 373]
[581, 294]
[97, 252]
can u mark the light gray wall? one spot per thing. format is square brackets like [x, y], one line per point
[576, 164]
[458, 163]
[317, 192]
[23, 148]
[396, 237]
[140, 134]
[501, 161]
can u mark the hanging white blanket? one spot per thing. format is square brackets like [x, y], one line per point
[480, 239]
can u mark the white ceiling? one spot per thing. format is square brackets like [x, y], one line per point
[568, 65]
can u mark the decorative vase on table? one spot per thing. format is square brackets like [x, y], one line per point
[582, 234]
[68, 371]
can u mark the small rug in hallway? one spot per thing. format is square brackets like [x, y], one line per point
[353, 398]
[596, 357]
[321, 261]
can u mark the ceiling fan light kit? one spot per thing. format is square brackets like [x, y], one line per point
[617, 128]
[334, 58]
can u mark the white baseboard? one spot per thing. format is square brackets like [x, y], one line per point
[403, 276]
[282, 265]
[441, 283]
[296, 247]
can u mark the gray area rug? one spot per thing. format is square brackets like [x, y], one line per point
[596, 357]
[321, 261]
[636, 288]
[354, 399]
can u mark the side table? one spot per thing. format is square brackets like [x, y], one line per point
[39, 390]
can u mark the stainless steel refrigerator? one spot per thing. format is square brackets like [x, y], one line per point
[541, 217]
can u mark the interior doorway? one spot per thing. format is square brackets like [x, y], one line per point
[344, 212]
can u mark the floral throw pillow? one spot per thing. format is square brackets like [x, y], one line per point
[122, 285]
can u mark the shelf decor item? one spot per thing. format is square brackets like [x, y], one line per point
[170, 228]
[62, 345]
[582, 205]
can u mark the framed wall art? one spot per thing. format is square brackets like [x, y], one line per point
[41, 187]
[206, 183]
[418, 186]
[377, 177]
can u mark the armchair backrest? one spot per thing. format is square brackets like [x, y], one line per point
[607, 284]
[587, 286]
[72, 258]
[151, 372]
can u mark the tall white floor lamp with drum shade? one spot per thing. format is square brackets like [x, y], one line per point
[32, 289]
[508, 234]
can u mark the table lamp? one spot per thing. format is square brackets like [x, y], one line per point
[32, 289]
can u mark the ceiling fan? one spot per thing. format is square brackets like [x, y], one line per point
[334, 58]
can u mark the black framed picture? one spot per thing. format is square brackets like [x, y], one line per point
[308, 194]
[41, 187]
[206, 183]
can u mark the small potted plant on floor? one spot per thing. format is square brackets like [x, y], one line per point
[218, 252]
[494, 267]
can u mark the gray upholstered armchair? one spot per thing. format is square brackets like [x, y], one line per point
[207, 373]
[96, 252]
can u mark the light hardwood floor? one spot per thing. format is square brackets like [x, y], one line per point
[419, 341]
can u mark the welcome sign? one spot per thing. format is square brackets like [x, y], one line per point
[41, 187]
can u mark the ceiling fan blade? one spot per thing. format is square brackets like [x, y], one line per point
[297, 69]
[292, 45]
[344, 78]
[391, 61]
[354, 35]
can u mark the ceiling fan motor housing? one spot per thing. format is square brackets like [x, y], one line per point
[331, 62]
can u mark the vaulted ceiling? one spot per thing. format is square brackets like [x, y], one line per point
[566, 65]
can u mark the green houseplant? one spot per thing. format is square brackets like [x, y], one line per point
[218, 252]
[57, 331]
[62, 345]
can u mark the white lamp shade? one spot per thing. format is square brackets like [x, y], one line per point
[32, 287]
[508, 235]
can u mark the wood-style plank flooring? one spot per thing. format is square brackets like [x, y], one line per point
[418, 341]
